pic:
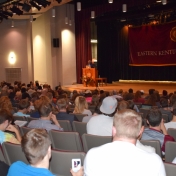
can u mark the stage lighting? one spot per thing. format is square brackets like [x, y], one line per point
[35, 5]
[16, 10]
[26, 7]
[3, 16]
[7, 13]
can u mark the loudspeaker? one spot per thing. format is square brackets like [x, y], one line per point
[56, 42]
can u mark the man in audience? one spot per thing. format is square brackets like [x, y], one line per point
[172, 123]
[24, 105]
[156, 130]
[63, 115]
[36, 146]
[165, 109]
[45, 122]
[102, 124]
[122, 157]
[5, 120]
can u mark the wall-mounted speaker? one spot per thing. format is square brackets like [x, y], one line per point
[56, 42]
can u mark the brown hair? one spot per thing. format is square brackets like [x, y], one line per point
[24, 103]
[123, 105]
[5, 115]
[35, 145]
[5, 103]
[127, 123]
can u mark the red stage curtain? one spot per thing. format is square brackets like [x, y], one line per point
[153, 45]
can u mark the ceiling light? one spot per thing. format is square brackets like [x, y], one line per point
[124, 8]
[164, 2]
[12, 24]
[70, 22]
[66, 20]
[16, 10]
[31, 18]
[78, 6]
[35, 5]
[110, 1]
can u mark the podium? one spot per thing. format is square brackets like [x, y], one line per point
[89, 76]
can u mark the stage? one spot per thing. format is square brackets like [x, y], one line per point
[170, 86]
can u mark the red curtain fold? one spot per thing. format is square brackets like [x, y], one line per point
[153, 45]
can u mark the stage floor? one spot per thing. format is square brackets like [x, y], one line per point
[143, 85]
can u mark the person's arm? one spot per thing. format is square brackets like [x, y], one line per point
[79, 173]
[15, 130]
[54, 119]
[163, 128]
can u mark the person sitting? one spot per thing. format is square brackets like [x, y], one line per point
[122, 157]
[5, 120]
[102, 124]
[81, 106]
[156, 130]
[63, 115]
[45, 122]
[23, 106]
[36, 146]
[138, 98]
[172, 123]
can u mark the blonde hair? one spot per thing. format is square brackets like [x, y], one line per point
[80, 104]
[127, 123]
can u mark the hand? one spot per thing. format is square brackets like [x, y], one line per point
[79, 173]
[11, 128]
[163, 128]
[54, 119]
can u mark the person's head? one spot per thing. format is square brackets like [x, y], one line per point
[24, 104]
[95, 100]
[127, 124]
[154, 117]
[151, 91]
[36, 146]
[173, 99]
[109, 106]
[62, 104]
[49, 95]
[164, 102]
[80, 104]
[164, 92]
[5, 119]
[137, 95]
[45, 109]
[123, 105]
[130, 104]
[23, 90]
[5, 103]
[89, 61]
[120, 91]
[174, 111]
[130, 90]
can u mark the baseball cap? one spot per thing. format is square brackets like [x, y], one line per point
[109, 105]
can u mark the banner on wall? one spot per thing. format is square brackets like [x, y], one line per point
[153, 45]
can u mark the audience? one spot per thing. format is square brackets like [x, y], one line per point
[5, 125]
[156, 130]
[36, 146]
[172, 123]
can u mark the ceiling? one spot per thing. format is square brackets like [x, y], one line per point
[34, 12]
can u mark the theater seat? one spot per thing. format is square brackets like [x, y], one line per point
[65, 124]
[170, 169]
[170, 151]
[79, 127]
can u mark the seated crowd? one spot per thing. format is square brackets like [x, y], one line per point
[115, 114]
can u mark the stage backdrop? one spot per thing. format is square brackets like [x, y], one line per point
[153, 45]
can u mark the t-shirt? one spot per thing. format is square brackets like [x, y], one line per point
[21, 169]
[170, 125]
[145, 147]
[121, 158]
[7, 137]
[21, 114]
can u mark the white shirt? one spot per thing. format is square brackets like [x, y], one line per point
[87, 111]
[145, 147]
[122, 159]
[100, 125]
[170, 125]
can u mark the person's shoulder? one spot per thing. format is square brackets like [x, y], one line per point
[16, 166]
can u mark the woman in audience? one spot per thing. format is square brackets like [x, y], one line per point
[81, 106]
[5, 103]
[138, 98]
[151, 100]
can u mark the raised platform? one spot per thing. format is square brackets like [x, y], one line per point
[170, 86]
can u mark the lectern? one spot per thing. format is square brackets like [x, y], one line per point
[89, 75]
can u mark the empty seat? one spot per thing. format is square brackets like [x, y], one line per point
[65, 124]
[80, 116]
[66, 141]
[153, 143]
[170, 169]
[90, 141]
[61, 162]
[13, 152]
[79, 127]
[170, 151]
[172, 132]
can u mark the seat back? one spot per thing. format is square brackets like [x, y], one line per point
[61, 162]
[90, 141]
[31, 118]
[19, 118]
[13, 152]
[79, 116]
[170, 151]
[79, 127]
[65, 124]
[172, 132]
[153, 143]
[66, 141]
[1, 154]
[170, 169]
[144, 111]
[24, 130]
